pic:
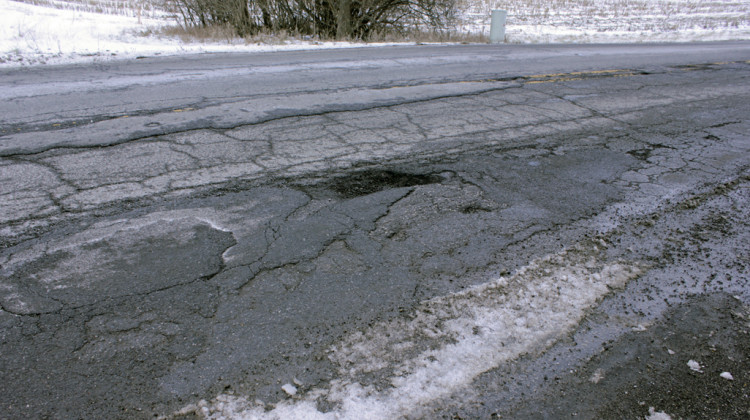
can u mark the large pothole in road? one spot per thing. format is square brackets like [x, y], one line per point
[371, 181]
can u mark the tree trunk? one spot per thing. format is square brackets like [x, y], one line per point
[344, 19]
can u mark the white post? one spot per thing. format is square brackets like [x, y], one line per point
[497, 27]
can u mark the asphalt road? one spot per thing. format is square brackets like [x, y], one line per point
[411, 232]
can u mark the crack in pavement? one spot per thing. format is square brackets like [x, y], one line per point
[296, 266]
[524, 80]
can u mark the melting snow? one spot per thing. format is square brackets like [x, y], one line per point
[597, 376]
[449, 341]
[727, 375]
[693, 365]
[290, 389]
[657, 415]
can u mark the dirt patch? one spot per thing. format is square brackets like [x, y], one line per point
[652, 368]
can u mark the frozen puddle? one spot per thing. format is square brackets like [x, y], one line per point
[447, 342]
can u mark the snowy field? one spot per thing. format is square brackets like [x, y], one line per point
[59, 31]
[608, 21]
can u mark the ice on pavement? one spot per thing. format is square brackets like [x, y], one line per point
[448, 342]
[695, 366]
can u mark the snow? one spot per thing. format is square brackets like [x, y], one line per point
[480, 328]
[290, 389]
[448, 342]
[727, 375]
[608, 21]
[695, 366]
[597, 376]
[657, 415]
[31, 35]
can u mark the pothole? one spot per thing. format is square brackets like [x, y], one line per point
[475, 208]
[645, 154]
[371, 181]
[641, 154]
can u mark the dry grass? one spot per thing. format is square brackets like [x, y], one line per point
[222, 33]
[421, 37]
[227, 34]
[196, 34]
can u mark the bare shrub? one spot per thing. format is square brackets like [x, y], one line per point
[208, 13]
[340, 19]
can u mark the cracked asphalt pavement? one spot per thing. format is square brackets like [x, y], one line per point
[415, 232]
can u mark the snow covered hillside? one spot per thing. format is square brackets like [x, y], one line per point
[60, 31]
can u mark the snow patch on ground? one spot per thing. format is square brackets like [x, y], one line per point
[657, 415]
[727, 376]
[290, 389]
[447, 342]
[597, 376]
[42, 35]
[610, 21]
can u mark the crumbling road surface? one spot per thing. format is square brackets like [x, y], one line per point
[412, 232]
